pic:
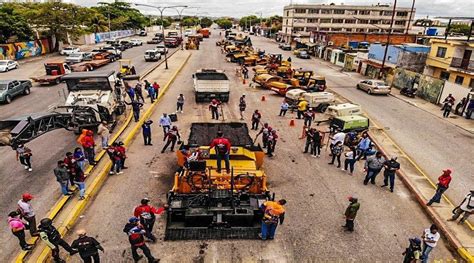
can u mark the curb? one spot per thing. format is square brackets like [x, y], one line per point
[100, 179]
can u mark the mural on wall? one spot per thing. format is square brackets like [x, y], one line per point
[21, 50]
[429, 88]
[102, 37]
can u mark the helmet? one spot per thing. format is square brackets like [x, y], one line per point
[220, 133]
[46, 222]
[145, 201]
[81, 232]
[133, 220]
[27, 196]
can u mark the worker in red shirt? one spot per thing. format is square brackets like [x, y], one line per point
[443, 185]
[88, 144]
[146, 213]
[214, 108]
[222, 148]
[121, 152]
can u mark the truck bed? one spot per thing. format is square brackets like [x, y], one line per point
[46, 78]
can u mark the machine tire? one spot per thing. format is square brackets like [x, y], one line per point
[27, 91]
[8, 99]
[323, 108]
[357, 86]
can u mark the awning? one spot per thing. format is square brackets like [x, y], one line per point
[378, 64]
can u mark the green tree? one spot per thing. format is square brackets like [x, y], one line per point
[225, 23]
[122, 15]
[190, 21]
[12, 25]
[462, 29]
[166, 22]
[248, 21]
[206, 22]
[97, 23]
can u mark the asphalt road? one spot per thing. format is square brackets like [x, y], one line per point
[433, 143]
[47, 149]
[316, 192]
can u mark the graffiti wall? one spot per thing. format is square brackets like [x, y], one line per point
[102, 37]
[21, 50]
[429, 88]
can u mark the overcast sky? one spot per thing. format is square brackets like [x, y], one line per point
[238, 8]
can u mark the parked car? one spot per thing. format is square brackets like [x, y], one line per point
[155, 40]
[143, 33]
[126, 44]
[188, 32]
[12, 88]
[69, 50]
[7, 65]
[136, 42]
[116, 44]
[78, 57]
[162, 49]
[303, 54]
[373, 86]
[152, 55]
[285, 46]
[298, 50]
[113, 50]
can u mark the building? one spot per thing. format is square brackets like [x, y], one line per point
[301, 19]
[408, 56]
[452, 60]
[340, 39]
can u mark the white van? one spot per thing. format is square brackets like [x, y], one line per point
[152, 55]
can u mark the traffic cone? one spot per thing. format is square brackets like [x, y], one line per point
[263, 98]
[292, 122]
[243, 81]
[303, 135]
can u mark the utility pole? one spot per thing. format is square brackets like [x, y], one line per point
[409, 19]
[388, 39]
[181, 23]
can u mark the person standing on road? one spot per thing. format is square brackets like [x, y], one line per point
[264, 131]
[336, 152]
[308, 117]
[135, 233]
[130, 91]
[245, 71]
[165, 123]
[139, 92]
[70, 166]
[350, 160]
[256, 116]
[466, 207]
[88, 247]
[151, 93]
[316, 147]
[242, 106]
[413, 252]
[27, 213]
[309, 134]
[448, 100]
[351, 213]
[104, 134]
[214, 108]
[80, 158]
[17, 226]
[283, 108]
[363, 146]
[156, 87]
[222, 147]
[50, 235]
[430, 239]
[88, 145]
[146, 128]
[339, 136]
[443, 184]
[448, 106]
[78, 179]
[171, 138]
[146, 213]
[136, 107]
[391, 167]
[23, 154]
[180, 103]
[373, 166]
[121, 150]
[273, 213]
[114, 156]
[62, 176]
[460, 105]
[302, 107]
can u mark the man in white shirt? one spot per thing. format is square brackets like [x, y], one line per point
[430, 239]
[165, 122]
[338, 137]
[466, 207]
[27, 212]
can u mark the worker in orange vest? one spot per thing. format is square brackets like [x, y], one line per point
[273, 212]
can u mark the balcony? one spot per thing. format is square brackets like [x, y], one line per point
[462, 64]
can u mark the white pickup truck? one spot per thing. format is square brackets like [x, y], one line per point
[210, 84]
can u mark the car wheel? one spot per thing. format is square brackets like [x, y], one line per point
[8, 99]
[27, 91]
[16, 66]
[7, 69]
[357, 86]
[369, 91]
[57, 81]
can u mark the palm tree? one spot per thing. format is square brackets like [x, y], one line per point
[98, 23]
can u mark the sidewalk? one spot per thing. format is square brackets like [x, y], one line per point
[429, 107]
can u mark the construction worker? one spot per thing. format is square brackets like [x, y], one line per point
[146, 214]
[180, 103]
[146, 128]
[256, 116]
[27, 212]
[62, 176]
[114, 156]
[50, 235]
[222, 147]
[309, 134]
[165, 122]
[413, 252]
[466, 207]
[214, 108]
[316, 147]
[391, 167]
[273, 213]
[351, 213]
[17, 226]
[443, 184]
[88, 247]
[265, 131]
[121, 150]
[171, 138]
[136, 107]
[242, 106]
[302, 107]
[271, 142]
[135, 234]
[308, 117]
[23, 154]
[104, 133]
[88, 145]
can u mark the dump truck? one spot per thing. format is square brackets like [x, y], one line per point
[205, 204]
[205, 32]
[210, 84]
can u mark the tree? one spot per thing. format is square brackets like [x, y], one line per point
[224, 23]
[461, 29]
[97, 23]
[12, 25]
[166, 22]
[248, 21]
[190, 21]
[122, 15]
[206, 22]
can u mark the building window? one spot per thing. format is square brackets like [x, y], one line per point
[348, 29]
[374, 22]
[441, 53]
[324, 29]
[400, 23]
[459, 80]
[300, 11]
[373, 30]
[324, 20]
[364, 12]
[363, 21]
[349, 21]
[471, 83]
[339, 11]
[338, 21]
[313, 11]
[340, 58]
[296, 29]
[444, 75]
[336, 29]
[312, 20]
[287, 13]
[402, 13]
[360, 30]
[385, 22]
[397, 30]
[311, 29]
[387, 13]
[325, 11]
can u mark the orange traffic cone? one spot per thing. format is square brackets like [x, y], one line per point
[243, 81]
[263, 98]
[292, 122]
[303, 135]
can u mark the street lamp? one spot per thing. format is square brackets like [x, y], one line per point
[161, 9]
[261, 13]
[181, 22]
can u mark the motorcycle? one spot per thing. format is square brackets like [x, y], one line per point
[409, 92]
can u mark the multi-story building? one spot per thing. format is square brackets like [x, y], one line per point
[452, 60]
[301, 19]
